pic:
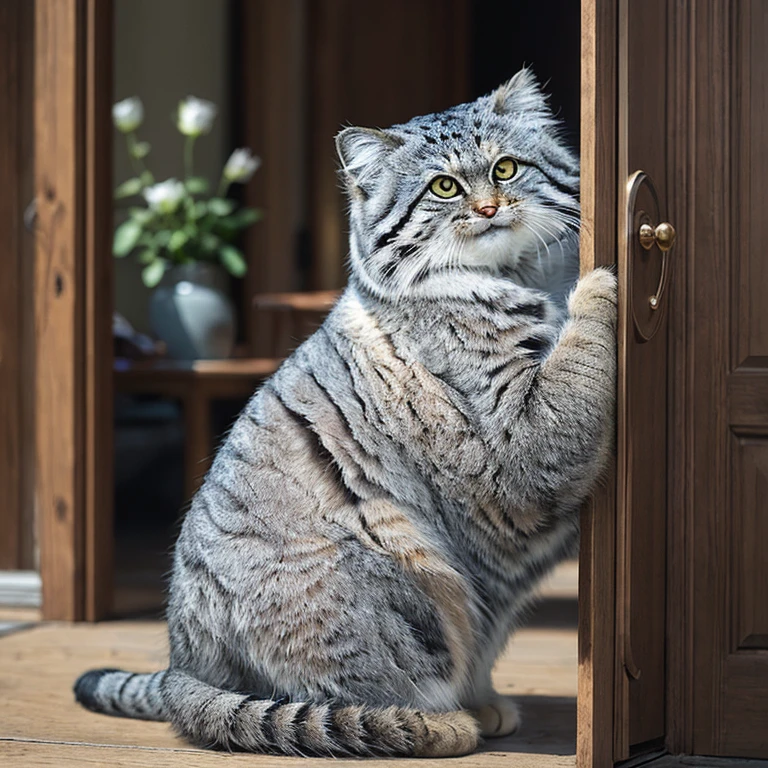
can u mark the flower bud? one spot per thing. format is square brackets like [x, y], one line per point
[165, 196]
[195, 116]
[241, 166]
[128, 115]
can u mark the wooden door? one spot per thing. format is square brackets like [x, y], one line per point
[725, 406]
[674, 630]
[642, 419]
[622, 675]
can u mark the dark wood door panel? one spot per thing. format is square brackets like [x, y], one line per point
[745, 715]
[750, 156]
[729, 432]
[744, 710]
[748, 400]
[749, 534]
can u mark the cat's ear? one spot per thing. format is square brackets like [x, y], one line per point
[520, 94]
[361, 151]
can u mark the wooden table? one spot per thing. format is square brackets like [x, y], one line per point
[286, 319]
[195, 383]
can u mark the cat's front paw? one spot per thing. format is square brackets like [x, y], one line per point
[500, 717]
[595, 296]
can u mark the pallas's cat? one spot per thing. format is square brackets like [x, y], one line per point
[375, 522]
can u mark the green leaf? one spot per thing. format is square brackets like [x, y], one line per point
[247, 216]
[233, 260]
[190, 230]
[128, 188]
[162, 238]
[226, 227]
[153, 273]
[126, 237]
[140, 149]
[141, 215]
[221, 207]
[147, 256]
[178, 240]
[197, 185]
[210, 243]
[147, 178]
[199, 209]
[240, 220]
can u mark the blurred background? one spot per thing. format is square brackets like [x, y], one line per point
[285, 77]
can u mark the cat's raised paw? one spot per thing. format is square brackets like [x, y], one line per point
[498, 718]
[595, 295]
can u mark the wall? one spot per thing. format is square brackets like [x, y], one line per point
[166, 50]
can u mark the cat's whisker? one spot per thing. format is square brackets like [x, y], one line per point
[537, 234]
[545, 222]
[555, 239]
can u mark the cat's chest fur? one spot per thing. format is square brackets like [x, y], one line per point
[472, 345]
[395, 407]
[427, 381]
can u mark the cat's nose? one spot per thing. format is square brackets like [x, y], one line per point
[487, 209]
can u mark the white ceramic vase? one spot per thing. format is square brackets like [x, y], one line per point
[191, 312]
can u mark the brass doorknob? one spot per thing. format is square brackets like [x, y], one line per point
[663, 235]
[642, 207]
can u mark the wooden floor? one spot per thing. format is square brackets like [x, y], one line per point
[40, 725]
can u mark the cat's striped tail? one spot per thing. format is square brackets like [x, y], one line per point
[123, 694]
[211, 717]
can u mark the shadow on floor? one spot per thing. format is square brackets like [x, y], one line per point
[554, 613]
[549, 727]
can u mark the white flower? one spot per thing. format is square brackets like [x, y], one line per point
[242, 164]
[166, 196]
[127, 115]
[196, 116]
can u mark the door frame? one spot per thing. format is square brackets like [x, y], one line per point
[16, 337]
[599, 243]
[73, 306]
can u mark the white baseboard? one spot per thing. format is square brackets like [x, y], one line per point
[20, 589]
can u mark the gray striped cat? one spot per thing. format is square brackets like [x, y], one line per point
[374, 524]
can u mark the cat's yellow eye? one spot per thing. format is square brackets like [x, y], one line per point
[505, 169]
[445, 187]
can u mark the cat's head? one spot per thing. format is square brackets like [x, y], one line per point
[484, 186]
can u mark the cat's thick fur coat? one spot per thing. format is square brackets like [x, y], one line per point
[374, 524]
